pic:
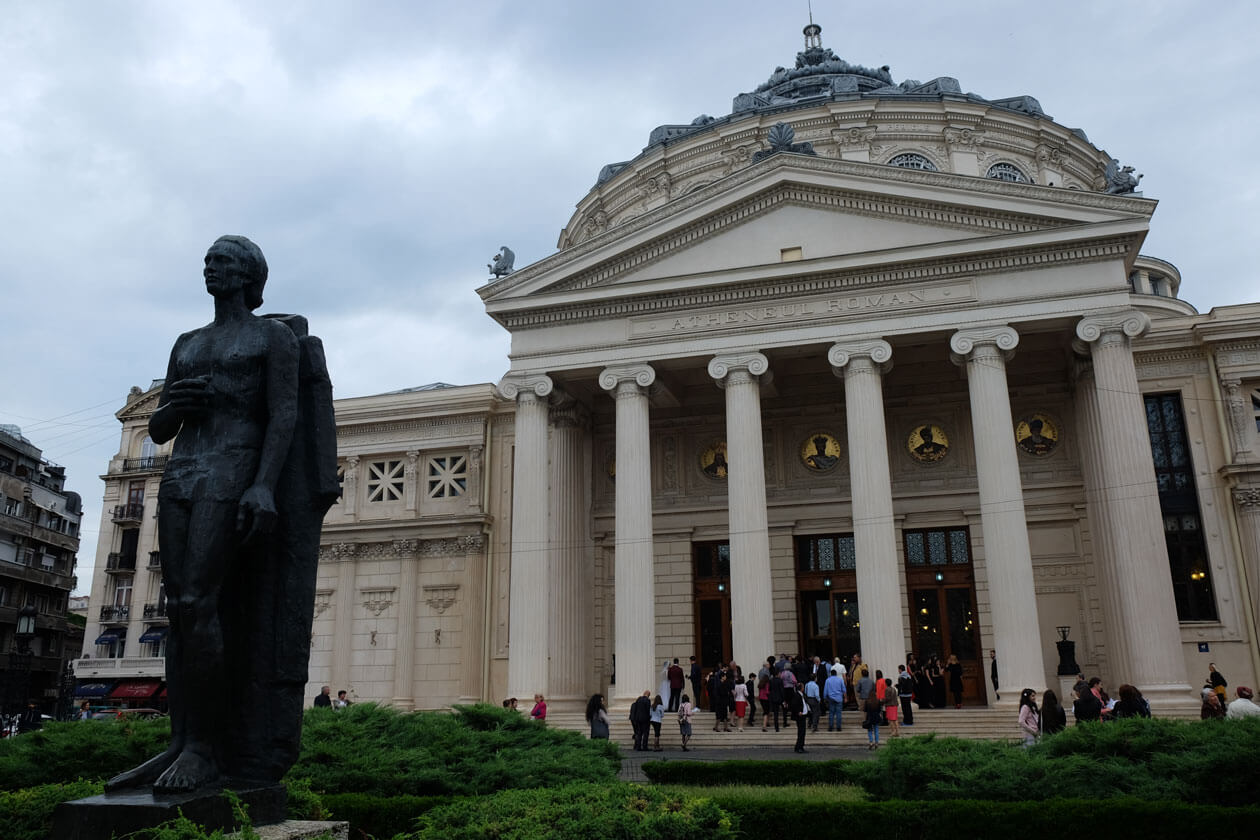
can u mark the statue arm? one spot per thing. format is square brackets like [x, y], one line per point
[257, 512]
[165, 422]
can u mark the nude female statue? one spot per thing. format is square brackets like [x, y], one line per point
[247, 401]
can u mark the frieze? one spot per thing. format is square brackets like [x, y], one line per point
[466, 544]
[1080, 198]
[1238, 354]
[470, 425]
[1058, 570]
[1169, 363]
[740, 317]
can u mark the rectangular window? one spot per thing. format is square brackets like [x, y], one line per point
[447, 476]
[938, 547]
[1179, 504]
[826, 553]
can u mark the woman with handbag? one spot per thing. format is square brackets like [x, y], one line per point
[685, 711]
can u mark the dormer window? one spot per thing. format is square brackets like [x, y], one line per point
[1007, 172]
[909, 160]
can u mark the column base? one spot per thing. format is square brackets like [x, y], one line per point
[1174, 700]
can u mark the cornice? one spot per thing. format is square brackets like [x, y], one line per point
[964, 184]
[472, 423]
[823, 283]
[395, 549]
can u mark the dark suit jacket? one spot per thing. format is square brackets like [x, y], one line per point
[641, 710]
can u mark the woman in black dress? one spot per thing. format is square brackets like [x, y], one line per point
[938, 682]
[923, 686]
[1053, 717]
[954, 668]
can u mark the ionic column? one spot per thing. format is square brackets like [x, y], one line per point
[570, 558]
[752, 619]
[527, 616]
[634, 625]
[405, 646]
[861, 365]
[1134, 528]
[1008, 558]
[1090, 435]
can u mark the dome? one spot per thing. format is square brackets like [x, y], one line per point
[838, 109]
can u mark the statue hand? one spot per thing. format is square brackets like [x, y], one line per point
[256, 515]
[190, 397]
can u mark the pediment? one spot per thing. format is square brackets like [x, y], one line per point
[837, 213]
[141, 406]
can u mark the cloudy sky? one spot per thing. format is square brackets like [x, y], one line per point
[381, 152]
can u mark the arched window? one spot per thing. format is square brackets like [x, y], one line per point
[1007, 172]
[909, 160]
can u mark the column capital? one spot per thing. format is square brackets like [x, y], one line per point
[1128, 323]
[641, 375]
[964, 342]
[513, 385]
[1247, 499]
[720, 367]
[876, 349]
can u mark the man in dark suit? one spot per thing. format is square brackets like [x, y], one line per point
[640, 718]
[694, 676]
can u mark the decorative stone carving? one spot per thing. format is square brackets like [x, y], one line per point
[1241, 419]
[441, 596]
[851, 137]
[968, 137]
[377, 600]
[965, 341]
[501, 263]
[721, 366]
[641, 375]
[1128, 324]
[514, 384]
[780, 138]
[323, 600]
[1247, 499]
[878, 350]
[1119, 180]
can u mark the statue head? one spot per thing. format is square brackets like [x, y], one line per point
[254, 263]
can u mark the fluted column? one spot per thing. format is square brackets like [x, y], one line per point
[405, 634]
[862, 365]
[1008, 558]
[752, 619]
[343, 625]
[634, 622]
[1090, 435]
[1134, 526]
[570, 558]
[527, 616]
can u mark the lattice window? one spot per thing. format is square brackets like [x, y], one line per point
[938, 547]
[447, 476]
[909, 160]
[1007, 172]
[385, 481]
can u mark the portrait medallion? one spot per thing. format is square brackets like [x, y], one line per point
[713, 460]
[820, 451]
[1037, 434]
[927, 443]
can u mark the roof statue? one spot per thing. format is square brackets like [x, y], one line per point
[780, 139]
[502, 262]
[1120, 180]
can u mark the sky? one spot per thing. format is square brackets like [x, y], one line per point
[381, 152]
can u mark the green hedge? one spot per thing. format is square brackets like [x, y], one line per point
[622, 811]
[1204, 762]
[27, 814]
[89, 749]
[379, 816]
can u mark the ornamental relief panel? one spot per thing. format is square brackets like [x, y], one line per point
[395, 549]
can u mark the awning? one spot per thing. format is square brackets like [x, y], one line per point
[135, 690]
[93, 690]
[154, 634]
[109, 637]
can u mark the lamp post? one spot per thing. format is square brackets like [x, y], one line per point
[19, 674]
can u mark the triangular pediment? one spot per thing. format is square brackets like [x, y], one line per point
[840, 215]
[140, 406]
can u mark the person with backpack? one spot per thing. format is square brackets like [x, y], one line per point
[685, 712]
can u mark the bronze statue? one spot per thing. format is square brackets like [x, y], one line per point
[253, 470]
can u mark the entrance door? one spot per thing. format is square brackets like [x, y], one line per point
[711, 573]
[830, 625]
[943, 604]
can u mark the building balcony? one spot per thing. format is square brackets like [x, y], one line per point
[37, 574]
[115, 669]
[115, 613]
[153, 611]
[155, 560]
[118, 562]
[152, 463]
[129, 514]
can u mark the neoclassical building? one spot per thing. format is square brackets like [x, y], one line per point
[859, 367]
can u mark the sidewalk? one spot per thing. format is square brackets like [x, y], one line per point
[632, 762]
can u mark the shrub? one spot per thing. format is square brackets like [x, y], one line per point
[757, 773]
[93, 749]
[27, 814]
[480, 749]
[623, 811]
[379, 816]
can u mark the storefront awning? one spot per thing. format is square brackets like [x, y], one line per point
[109, 637]
[135, 690]
[93, 690]
[154, 634]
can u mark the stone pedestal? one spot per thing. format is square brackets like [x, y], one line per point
[117, 814]
[303, 830]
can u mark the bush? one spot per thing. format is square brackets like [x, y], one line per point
[623, 811]
[379, 816]
[94, 749]
[27, 814]
[1207, 762]
[480, 749]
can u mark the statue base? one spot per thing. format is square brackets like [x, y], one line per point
[117, 814]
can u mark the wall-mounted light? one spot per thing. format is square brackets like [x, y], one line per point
[939, 577]
[721, 587]
[827, 582]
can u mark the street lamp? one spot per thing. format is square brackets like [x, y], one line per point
[20, 659]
